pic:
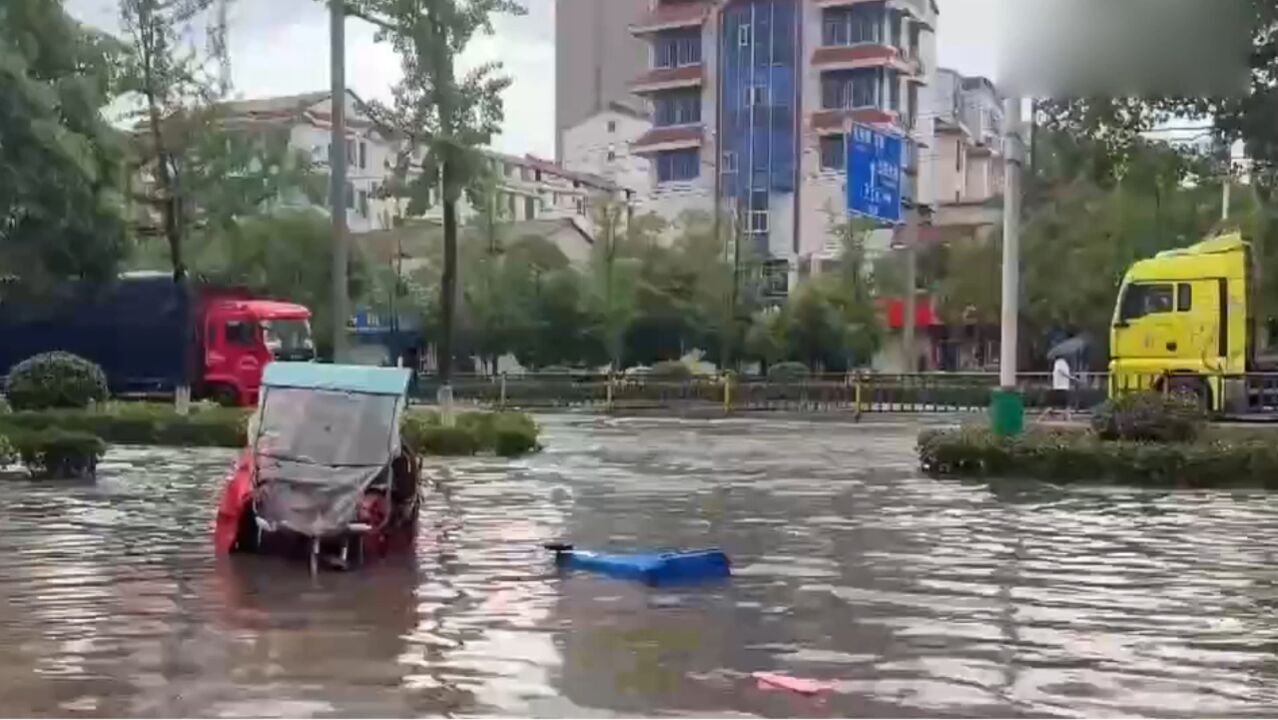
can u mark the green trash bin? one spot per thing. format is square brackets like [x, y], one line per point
[1007, 413]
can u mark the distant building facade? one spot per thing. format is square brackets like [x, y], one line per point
[595, 58]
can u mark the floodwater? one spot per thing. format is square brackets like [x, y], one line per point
[912, 596]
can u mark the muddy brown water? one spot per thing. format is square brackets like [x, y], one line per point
[912, 596]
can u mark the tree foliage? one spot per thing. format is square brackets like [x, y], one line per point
[176, 85]
[437, 109]
[61, 212]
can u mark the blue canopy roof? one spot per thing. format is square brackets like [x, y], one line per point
[338, 378]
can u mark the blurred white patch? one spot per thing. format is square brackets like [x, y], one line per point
[1130, 48]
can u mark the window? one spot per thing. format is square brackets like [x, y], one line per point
[612, 126]
[833, 154]
[350, 196]
[681, 49]
[363, 154]
[852, 25]
[363, 203]
[729, 161]
[1142, 300]
[239, 332]
[678, 166]
[743, 35]
[677, 108]
[537, 175]
[511, 205]
[581, 206]
[612, 155]
[756, 96]
[530, 208]
[958, 155]
[1184, 297]
[894, 88]
[350, 152]
[850, 89]
[894, 19]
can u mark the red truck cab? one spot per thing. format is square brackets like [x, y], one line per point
[239, 335]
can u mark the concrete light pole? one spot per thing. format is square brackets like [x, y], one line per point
[1007, 409]
[337, 168]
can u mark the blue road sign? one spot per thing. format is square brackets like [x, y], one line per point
[874, 174]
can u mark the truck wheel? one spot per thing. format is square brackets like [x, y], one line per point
[1192, 387]
[225, 396]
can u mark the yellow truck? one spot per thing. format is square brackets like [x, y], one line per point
[1185, 322]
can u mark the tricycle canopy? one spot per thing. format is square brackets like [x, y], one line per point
[324, 435]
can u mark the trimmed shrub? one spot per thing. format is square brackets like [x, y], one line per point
[1073, 456]
[514, 434]
[505, 433]
[1150, 417]
[447, 441]
[7, 453]
[59, 454]
[788, 372]
[140, 424]
[670, 370]
[55, 380]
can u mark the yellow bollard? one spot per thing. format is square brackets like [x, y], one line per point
[727, 393]
[501, 403]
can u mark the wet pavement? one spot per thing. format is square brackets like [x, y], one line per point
[912, 596]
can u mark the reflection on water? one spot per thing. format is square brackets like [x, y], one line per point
[912, 596]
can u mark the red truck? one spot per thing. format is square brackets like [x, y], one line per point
[150, 337]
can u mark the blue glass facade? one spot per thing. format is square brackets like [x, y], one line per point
[759, 59]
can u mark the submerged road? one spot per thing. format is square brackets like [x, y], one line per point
[912, 596]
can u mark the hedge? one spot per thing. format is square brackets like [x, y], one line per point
[59, 454]
[139, 424]
[504, 433]
[1072, 456]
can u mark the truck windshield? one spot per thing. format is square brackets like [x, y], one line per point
[288, 339]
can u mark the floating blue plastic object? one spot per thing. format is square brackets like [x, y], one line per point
[652, 568]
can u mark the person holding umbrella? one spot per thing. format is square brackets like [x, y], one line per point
[1061, 398]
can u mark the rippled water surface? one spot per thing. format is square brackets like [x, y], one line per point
[912, 596]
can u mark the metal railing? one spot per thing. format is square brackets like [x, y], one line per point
[853, 392]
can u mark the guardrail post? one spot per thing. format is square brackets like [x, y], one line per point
[857, 395]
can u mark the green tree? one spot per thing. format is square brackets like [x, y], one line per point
[436, 109]
[61, 209]
[176, 91]
[615, 287]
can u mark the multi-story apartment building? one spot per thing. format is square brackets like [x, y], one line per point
[595, 58]
[751, 101]
[968, 117]
[600, 145]
[528, 188]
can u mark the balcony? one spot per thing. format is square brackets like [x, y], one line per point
[658, 79]
[835, 122]
[866, 55]
[671, 16]
[680, 137]
[922, 11]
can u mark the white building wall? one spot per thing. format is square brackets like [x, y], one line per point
[600, 145]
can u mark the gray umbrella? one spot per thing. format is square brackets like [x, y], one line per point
[1070, 348]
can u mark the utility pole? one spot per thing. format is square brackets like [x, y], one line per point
[1007, 409]
[911, 289]
[337, 168]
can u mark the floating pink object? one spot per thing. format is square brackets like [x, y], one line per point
[803, 686]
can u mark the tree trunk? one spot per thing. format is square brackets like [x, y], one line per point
[448, 289]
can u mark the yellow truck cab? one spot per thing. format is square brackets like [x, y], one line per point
[1183, 322]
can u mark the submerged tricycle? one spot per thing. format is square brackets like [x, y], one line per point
[325, 476]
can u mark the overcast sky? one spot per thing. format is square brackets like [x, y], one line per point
[280, 47]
